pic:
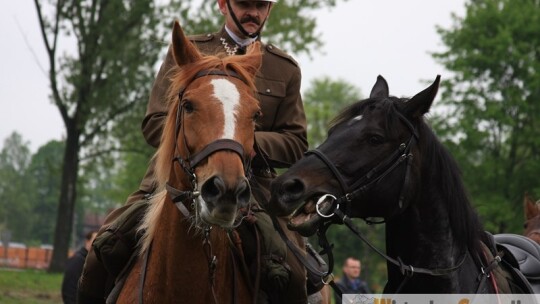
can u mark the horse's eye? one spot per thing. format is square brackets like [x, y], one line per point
[188, 106]
[376, 140]
[257, 115]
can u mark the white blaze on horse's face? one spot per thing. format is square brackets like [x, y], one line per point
[227, 93]
[355, 119]
[229, 96]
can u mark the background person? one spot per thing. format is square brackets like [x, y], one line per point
[351, 283]
[74, 267]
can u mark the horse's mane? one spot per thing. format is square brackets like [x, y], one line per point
[179, 78]
[439, 167]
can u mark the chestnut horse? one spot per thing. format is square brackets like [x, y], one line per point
[186, 255]
[532, 218]
[382, 160]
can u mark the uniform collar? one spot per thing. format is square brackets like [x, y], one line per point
[230, 46]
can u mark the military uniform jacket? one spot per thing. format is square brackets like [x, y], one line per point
[281, 131]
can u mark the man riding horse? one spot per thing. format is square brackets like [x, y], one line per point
[280, 140]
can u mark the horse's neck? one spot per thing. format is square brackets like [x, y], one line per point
[420, 237]
[180, 257]
[423, 226]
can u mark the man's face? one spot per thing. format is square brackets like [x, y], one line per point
[251, 15]
[352, 269]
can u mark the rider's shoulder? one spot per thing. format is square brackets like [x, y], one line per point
[201, 38]
[272, 49]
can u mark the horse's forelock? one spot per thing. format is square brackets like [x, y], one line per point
[387, 105]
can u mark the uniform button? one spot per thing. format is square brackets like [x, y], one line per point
[268, 91]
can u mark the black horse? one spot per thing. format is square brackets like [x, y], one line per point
[382, 160]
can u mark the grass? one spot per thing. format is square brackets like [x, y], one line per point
[29, 287]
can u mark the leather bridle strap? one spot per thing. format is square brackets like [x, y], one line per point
[330, 166]
[217, 145]
[377, 173]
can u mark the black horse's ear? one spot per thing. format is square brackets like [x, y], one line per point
[380, 89]
[420, 103]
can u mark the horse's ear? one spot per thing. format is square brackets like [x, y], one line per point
[252, 60]
[420, 103]
[531, 209]
[380, 89]
[183, 50]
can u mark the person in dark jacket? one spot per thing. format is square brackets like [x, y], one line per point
[351, 283]
[74, 267]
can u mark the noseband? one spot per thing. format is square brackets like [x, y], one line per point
[375, 175]
[188, 164]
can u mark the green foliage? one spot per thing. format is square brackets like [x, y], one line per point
[491, 109]
[15, 187]
[44, 177]
[108, 75]
[29, 189]
[322, 101]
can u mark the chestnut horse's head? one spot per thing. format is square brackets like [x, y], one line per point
[532, 218]
[208, 136]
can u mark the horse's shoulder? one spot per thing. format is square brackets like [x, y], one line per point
[274, 50]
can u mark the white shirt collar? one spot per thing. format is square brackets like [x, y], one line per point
[241, 42]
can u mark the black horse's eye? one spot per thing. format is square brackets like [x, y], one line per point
[257, 115]
[187, 106]
[376, 140]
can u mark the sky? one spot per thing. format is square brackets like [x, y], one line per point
[363, 39]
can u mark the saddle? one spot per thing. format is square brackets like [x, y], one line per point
[523, 254]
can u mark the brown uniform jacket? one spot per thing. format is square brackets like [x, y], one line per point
[281, 132]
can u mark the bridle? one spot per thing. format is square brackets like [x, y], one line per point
[355, 190]
[188, 164]
[337, 212]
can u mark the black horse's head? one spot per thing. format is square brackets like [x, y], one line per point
[365, 165]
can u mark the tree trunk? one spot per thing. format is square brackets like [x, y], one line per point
[66, 206]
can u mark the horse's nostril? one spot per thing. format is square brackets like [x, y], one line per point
[243, 192]
[293, 187]
[213, 189]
